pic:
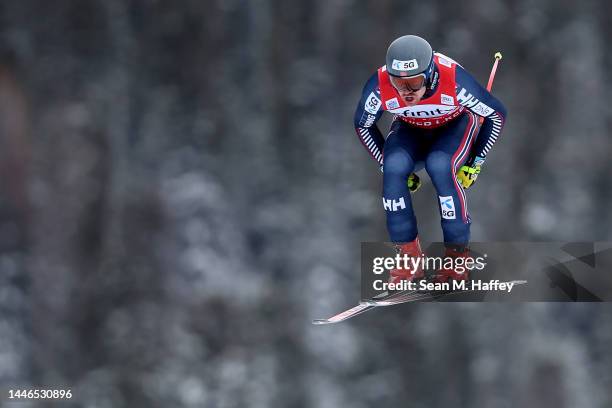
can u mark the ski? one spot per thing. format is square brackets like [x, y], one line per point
[385, 299]
[362, 307]
[347, 314]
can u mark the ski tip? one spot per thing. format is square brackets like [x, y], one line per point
[321, 321]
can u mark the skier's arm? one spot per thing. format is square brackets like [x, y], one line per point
[366, 115]
[480, 101]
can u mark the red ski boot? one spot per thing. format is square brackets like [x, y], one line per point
[413, 250]
[457, 271]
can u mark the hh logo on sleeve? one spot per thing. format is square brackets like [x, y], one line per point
[447, 206]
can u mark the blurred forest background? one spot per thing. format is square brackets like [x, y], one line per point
[182, 191]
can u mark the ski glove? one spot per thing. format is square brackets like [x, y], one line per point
[414, 182]
[467, 175]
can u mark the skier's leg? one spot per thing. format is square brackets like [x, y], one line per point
[447, 153]
[402, 150]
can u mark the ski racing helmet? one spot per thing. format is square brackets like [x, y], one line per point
[410, 62]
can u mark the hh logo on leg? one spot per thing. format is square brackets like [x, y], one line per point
[394, 205]
[447, 206]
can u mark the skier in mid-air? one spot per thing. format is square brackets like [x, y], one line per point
[437, 105]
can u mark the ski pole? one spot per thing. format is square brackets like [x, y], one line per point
[498, 57]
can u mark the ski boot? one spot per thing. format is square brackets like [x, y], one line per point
[412, 249]
[452, 273]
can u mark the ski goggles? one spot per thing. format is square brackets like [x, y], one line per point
[411, 83]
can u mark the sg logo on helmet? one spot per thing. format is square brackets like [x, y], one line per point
[405, 65]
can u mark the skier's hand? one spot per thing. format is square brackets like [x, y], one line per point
[414, 182]
[467, 175]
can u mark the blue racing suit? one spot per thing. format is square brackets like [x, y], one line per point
[441, 149]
